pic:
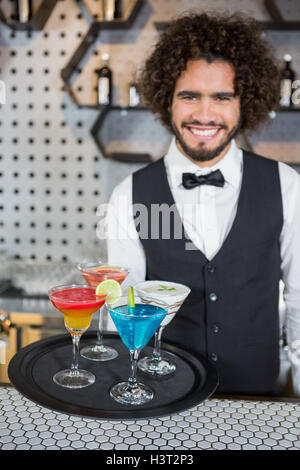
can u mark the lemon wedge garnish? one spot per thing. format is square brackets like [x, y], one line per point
[111, 288]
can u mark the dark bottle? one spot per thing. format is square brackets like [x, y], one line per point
[112, 9]
[23, 10]
[286, 83]
[118, 9]
[104, 82]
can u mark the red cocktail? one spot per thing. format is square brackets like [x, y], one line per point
[96, 274]
[77, 303]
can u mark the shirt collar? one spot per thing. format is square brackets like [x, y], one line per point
[230, 165]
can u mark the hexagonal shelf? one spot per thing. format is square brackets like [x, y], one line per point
[95, 29]
[73, 67]
[277, 22]
[36, 23]
[132, 132]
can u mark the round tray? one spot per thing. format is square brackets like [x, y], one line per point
[32, 368]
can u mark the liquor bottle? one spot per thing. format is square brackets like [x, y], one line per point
[134, 97]
[23, 10]
[112, 9]
[104, 82]
[118, 9]
[286, 83]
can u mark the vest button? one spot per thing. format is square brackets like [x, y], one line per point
[214, 357]
[210, 268]
[216, 328]
[213, 297]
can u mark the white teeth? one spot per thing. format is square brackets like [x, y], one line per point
[204, 133]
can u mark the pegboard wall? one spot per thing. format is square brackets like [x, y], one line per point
[52, 175]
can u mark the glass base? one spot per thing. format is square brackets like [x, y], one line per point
[139, 395]
[154, 367]
[99, 353]
[70, 379]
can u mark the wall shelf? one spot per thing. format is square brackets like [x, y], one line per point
[119, 155]
[92, 35]
[289, 110]
[277, 22]
[73, 65]
[265, 25]
[38, 20]
[112, 107]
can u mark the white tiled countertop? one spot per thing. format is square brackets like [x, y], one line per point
[215, 424]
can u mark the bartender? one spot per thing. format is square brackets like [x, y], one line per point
[233, 220]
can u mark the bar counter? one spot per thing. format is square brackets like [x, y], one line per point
[218, 423]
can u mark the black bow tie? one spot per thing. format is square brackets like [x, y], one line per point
[215, 178]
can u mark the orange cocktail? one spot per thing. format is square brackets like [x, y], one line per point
[77, 303]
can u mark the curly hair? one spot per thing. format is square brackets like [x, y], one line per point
[235, 39]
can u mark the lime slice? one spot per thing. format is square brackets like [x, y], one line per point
[130, 297]
[111, 288]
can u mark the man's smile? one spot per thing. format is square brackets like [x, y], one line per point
[203, 133]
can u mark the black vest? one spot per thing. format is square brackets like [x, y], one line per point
[231, 315]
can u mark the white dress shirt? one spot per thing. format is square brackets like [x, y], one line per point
[207, 214]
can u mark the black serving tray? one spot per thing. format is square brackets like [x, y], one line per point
[32, 368]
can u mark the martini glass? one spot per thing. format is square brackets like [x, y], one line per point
[77, 303]
[173, 294]
[94, 273]
[136, 325]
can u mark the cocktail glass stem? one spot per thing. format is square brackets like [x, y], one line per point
[99, 341]
[157, 342]
[74, 366]
[98, 351]
[156, 364]
[134, 355]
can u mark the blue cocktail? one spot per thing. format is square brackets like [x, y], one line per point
[136, 325]
[136, 330]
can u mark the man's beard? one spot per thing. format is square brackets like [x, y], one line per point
[201, 154]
